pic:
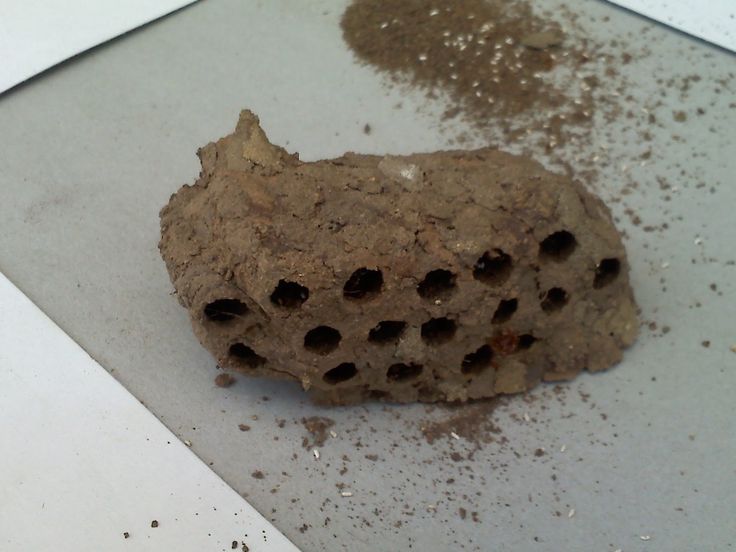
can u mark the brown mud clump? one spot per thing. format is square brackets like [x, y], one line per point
[448, 276]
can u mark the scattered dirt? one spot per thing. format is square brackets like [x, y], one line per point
[243, 427]
[154, 523]
[494, 59]
[472, 422]
[318, 427]
[258, 474]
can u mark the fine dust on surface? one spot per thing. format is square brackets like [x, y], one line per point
[448, 441]
[473, 422]
[507, 72]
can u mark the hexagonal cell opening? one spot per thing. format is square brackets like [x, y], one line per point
[558, 246]
[363, 284]
[322, 340]
[246, 355]
[554, 299]
[289, 295]
[438, 330]
[505, 310]
[224, 310]
[340, 373]
[478, 361]
[606, 272]
[403, 372]
[436, 283]
[493, 267]
[387, 331]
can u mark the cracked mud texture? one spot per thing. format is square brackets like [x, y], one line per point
[446, 276]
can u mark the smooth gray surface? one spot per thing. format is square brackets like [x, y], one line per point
[91, 151]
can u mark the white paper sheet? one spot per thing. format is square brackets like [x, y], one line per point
[82, 461]
[38, 34]
[711, 20]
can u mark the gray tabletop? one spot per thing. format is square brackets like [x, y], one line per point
[639, 458]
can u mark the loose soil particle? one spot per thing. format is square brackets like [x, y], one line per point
[224, 380]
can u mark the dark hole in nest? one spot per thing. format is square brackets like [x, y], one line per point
[493, 267]
[246, 355]
[438, 330]
[554, 299]
[436, 283]
[403, 372]
[475, 363]
[506, 308]
[322, 340]
[525, 341]
[558, 246]
[606, 272]
[364, 282]
[289, 294]
[222, 310]
[386, 331]
[340, 373]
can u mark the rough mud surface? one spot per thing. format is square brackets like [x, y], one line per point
[431, 277]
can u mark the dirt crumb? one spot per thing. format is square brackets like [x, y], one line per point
[224, 380]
